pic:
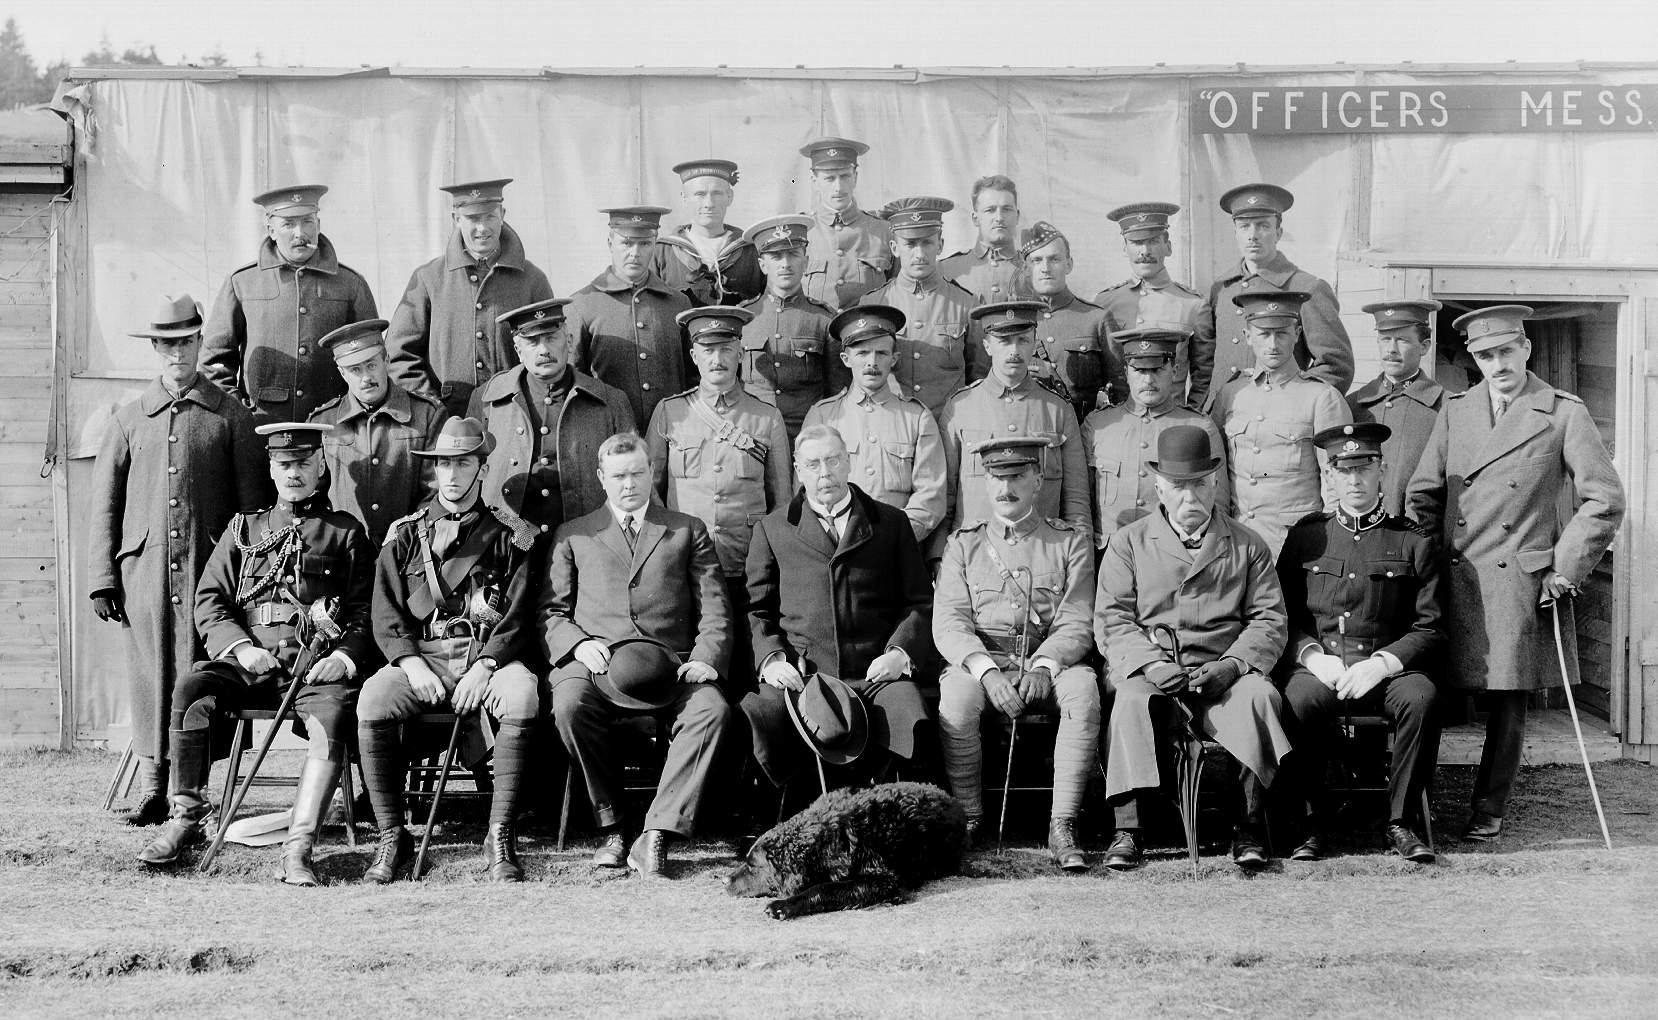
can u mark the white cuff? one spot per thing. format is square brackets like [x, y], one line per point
[344, 660]
[1391, 661]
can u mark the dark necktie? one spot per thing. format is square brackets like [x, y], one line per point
[628, 531]
[837, 221]
[1501, 409]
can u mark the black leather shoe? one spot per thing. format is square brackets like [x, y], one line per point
[1405, 843]
[391, 854]
[1062, 846]
[1311, 848]
[1247, 851]
[152, 810]
[613, 852]
[649, 855]
[1482, 827]
[1124, 852]
[501, 853]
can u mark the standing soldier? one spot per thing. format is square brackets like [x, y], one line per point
[1492, 499]
[788, 356]
[445, 338]
[940, 349]
[1362, 590]
[721, 455]
[993, 269]
[1007, 402]
[1151, 298]
[283, 585]
[708, 260]
[1257, 212]
[174, 466]
[546, 419]
[623, 322]
[1402, 398]
[896, 451]
[377, 426]
[452, 604]
[847, 253]
[1115, 440]
[1268, 417]
[1011, 619]
[260, 344]
[1076, 357]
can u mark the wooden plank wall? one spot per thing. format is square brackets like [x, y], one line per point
[29, 677]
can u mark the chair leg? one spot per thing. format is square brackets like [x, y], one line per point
[564, 809]
[121, 772]
[348, 795]
[233, 772]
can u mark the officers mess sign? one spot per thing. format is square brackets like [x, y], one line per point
[1433, 109]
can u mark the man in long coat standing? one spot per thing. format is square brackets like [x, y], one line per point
[174, 466]
[1493, 499]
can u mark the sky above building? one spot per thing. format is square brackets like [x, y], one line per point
[843, 33]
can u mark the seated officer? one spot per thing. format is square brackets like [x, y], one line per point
[285, 589]
[635, 569]
[1362, 588]
[1210, 580]
[1011, 619]
[451, 614]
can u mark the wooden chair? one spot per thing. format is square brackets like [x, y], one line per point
[1352, 727]
[120, 784]
[636, 778]
[244, 718]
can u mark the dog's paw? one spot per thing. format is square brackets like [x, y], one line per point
[781, 910]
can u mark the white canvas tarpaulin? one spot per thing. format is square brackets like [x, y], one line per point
[168, 167]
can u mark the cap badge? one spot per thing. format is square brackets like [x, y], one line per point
[638, 218]
[1140, 218]
[1388, 313]
[475, 193]
[1350, 447]
[541, 313]
[781, 233]
[1272, 306]
[297, 198]
[1145, 347]
[915, 217]
[1252, 200]
[831, 152]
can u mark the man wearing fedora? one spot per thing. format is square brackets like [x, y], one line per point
[1402, 397]
[1211, 582]
[707, 259]
[452, 603]
[1012, 617]
[635, 619]
[546, 418]
[847, 254]
[373, 474]
[290, 582]
[174, 466]
[790, 358]
[446, 336]
[1321, 346]
[260, 342]
[1491, 496]
[837, 586]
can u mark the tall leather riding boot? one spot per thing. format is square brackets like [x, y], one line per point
[189, 773]
[316, 787]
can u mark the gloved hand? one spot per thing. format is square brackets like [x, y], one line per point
[1555, 587]
[695, 672]
[1213, 678]
[1036, 685]
[109, 608]
[782, 676]
[1360, 678]
[594, 655]
[1326, 667]
[1166, 677]
[1003, 694]
[889, 665]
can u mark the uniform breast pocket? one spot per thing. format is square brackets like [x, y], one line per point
[949, 342]
[745, 465]
[804, 364]
[970, 440]
[1238, 443]
[1108, 476]
[1295, 446]
[1081, 362]
[757, 361]
[685, 456]
[1053, 465]
[898, 467]
[1047, 588]
[1395, 582]
[1324, 576]
[322, 574]
[875, 267]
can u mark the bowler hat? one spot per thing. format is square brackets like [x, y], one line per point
[1184, 453]
[642, 676]
[831, 718]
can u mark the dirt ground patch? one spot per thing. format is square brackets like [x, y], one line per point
[1544, 922]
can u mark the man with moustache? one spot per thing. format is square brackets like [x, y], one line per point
[1195, 570]
[721, 454]
[373, 474]
[452, 604]
[545, 418]
[1152, 299]
[1322, 349]
[260, 342]
[1018, 584]
[992, 270]
[624, 322]
[707, 259]
[1269, 416]
[296, 576]
[1076, 355]
[1491, 496]
[635, 572]
[1115, 439]
[1008, 402]
[789, 358]
[847, 248]
[1402, 397]
[892, 441]
[838, 588]
[172, 469]
[940, 348]
[445, 338]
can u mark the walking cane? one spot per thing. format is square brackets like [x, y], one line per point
[1013, 724]
[448, 763]
[301, 667]
[1189, 768]
[1571, 705]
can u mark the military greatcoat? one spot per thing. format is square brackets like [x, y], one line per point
[1410, 410]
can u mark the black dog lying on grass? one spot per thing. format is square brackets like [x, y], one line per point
[855, 848]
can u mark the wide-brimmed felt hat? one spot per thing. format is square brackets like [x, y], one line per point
[460, 437]
[830, 717]
[643, 674]
[176, 316]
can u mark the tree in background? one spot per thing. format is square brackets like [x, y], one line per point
[22, 83]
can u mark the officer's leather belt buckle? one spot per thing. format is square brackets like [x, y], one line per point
[1007, 644]
[451, 627]
[274, 614]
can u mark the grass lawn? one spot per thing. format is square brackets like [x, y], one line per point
[1545, 922]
